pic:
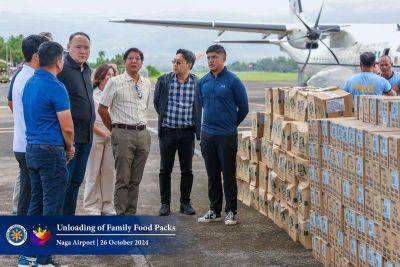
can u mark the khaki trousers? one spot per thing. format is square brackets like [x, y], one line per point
[99, 178]
[131, 149]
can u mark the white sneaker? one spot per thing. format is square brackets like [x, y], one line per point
[210, 216]
[230, 218]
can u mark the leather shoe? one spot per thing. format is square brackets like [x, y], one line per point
[186, 208]
[164, 210]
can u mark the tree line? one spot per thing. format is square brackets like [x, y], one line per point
[12, 45]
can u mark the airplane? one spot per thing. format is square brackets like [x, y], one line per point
[326, 54]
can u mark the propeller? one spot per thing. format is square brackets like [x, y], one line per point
[314, 34]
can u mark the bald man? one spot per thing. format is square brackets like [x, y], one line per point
[385, 64]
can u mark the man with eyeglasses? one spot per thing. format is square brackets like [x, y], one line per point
[123, 110]
[177, 102]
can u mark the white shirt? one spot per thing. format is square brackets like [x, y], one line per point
[19, 142]
[122, 99]
[97, 95]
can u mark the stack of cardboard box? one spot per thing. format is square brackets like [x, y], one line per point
[273, 158]
[355, 199]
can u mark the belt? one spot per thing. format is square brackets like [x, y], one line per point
[191, 128]
[129, 127]
[46, 147]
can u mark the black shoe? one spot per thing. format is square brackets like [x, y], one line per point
[186, 208]
[164, 210]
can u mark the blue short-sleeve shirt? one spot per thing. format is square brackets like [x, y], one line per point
[367, 83]
[43, 97]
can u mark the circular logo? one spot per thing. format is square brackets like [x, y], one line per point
[16, 235]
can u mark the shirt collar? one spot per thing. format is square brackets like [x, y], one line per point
[44, 72]
[221, 73]
[129, 77]
[73, 63]
[391, 76]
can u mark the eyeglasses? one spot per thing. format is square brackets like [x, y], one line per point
[174, 61]
[139, 91]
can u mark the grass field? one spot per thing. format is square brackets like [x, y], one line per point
[259, 76]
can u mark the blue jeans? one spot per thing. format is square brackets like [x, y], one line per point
[76, 170]
[49, 175]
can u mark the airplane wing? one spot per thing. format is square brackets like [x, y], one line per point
[213, 25]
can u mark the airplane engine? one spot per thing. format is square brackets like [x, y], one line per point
[299, 40]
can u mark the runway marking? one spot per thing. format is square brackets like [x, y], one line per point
[154, 131]
[6, 131]
[257, 105]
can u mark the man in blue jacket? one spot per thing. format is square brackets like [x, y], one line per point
[225, 106]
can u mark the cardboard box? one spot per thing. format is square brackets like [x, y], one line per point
[329, 103]
[246, 195]
[315, 131]
[255, 149]
[268, 121]
[301, 168]
[254, 197]
[283, 216]
[293, 224]
[278, 99]
[277, 209]
[384, 112]
[303, 198]
[386, 181]
[240, 190]
[244, 170]
[325, 130]
[292, 103]
[244, 144]
[373, 110]
[300, 138]
[281, 170]
[386, 215]
[395, 114]
[353, 246]
[273, 183]
[257, 124]
[377, 207]
[360, 199]
[253, 172]
[262, 201]
[395, 252]
[395, 217]
[276, 134]
[267, 155]
[291, 195]
[369, 202]
[262, 175]
[315, 176]
[301, 113]
[394, 151]
[268, 101]
[290, 167]
[271, 206]
[304, 232]
[286, 143]
[366, 109]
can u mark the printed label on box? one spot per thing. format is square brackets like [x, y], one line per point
[325, 177]
[371, 228]
[395, 179]
[378, 259]
[340, 238]
[362, 251]
[371, 256]
[352, 136]
[335, 105]
[375, 144]
[361, 224]
[326, 152]
[360, 195]
[359, 167]
[385, 146]
[353, 246]
[311, 150]
[395, 110]
[346, 189]
[386, 209]
[360, 139]
[313, 177]
[325, 129]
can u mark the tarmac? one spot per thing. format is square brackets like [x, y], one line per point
[254, 241]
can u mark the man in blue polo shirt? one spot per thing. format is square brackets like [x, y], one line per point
[367, 82]
[225, 106]
[50, 136]
[393, 77]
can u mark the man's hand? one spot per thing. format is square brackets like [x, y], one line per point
[70, 153]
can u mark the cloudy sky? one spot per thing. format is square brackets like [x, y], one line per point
[64, 17]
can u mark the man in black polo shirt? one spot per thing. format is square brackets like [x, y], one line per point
[76, 76]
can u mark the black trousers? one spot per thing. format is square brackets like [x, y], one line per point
[219, 153]
[25, 185]
[172, 140]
